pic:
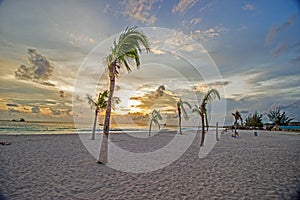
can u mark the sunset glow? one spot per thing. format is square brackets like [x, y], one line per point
[46, 54]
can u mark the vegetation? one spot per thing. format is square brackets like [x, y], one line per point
[201, 110]
[127, 47]
[98, 105]
[279, 118]
[181, 109]
[254, 120]
[155, 117]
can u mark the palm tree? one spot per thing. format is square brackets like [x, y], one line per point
[237, 116]
[126, 48]
[279, 118]
[180, 107]
[100, 104]
[201, 110]
[155, 117]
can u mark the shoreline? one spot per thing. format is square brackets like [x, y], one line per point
[137, 131]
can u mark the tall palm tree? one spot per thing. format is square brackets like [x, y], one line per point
[201, 110]
[126, 48]
[100, 104]
[180, 109]
[155, 117]
[237, 116]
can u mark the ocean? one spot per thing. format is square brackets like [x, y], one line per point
[27, 127]
[36, 127]
[39, 127]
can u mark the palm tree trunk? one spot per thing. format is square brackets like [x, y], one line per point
[150, 128]
[95, 122]
[104, 146]
[179, 120]
[203, 130]
[206, 122]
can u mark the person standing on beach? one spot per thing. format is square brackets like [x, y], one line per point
[237, 116]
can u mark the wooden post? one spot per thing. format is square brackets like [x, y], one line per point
[217, 127]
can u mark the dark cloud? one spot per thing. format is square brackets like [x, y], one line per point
[78, 98]
[61, 112]
[296, 59]
[12, 104]
[62, 94]
[295, 104]
[39, 71]
[11, 110]
[55, 112]
[35, 109]
[275, 29]
[279, 49]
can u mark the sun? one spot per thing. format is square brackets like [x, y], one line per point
[133, 106]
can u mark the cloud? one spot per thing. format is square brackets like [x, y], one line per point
[55, 111]
[11, 110]
[139, 11]
[62, 94]
[157, 51]
[39, 71]
[35, 109]
[249, 7]
[195, 21]
[275, 29]
[79, 40]
[183, 5]
[60, 112]
[106, 8]
[203, 87]
[180, 42]
[296, 59]
[160, 99]
[279, 49]
[12, 104]
[79, 99]
[295, 104]
[208, 34]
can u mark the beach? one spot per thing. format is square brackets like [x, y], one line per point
[60, 167]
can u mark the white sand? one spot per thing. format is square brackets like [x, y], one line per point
[59, 167]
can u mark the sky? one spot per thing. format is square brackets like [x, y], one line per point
[52, 55]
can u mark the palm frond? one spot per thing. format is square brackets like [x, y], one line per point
[196, 110]
[156, 115]
[128, 46]
[185, 115]
[90, 100]
[155, 121]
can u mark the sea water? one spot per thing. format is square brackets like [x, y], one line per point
[27, 127]
[41, 127]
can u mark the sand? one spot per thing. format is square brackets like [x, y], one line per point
[59, 167]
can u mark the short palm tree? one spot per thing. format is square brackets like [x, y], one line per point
[155, 117]
[201, 110]
[237, 116]
[181, 109]
[98, 105]
[126, 48]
